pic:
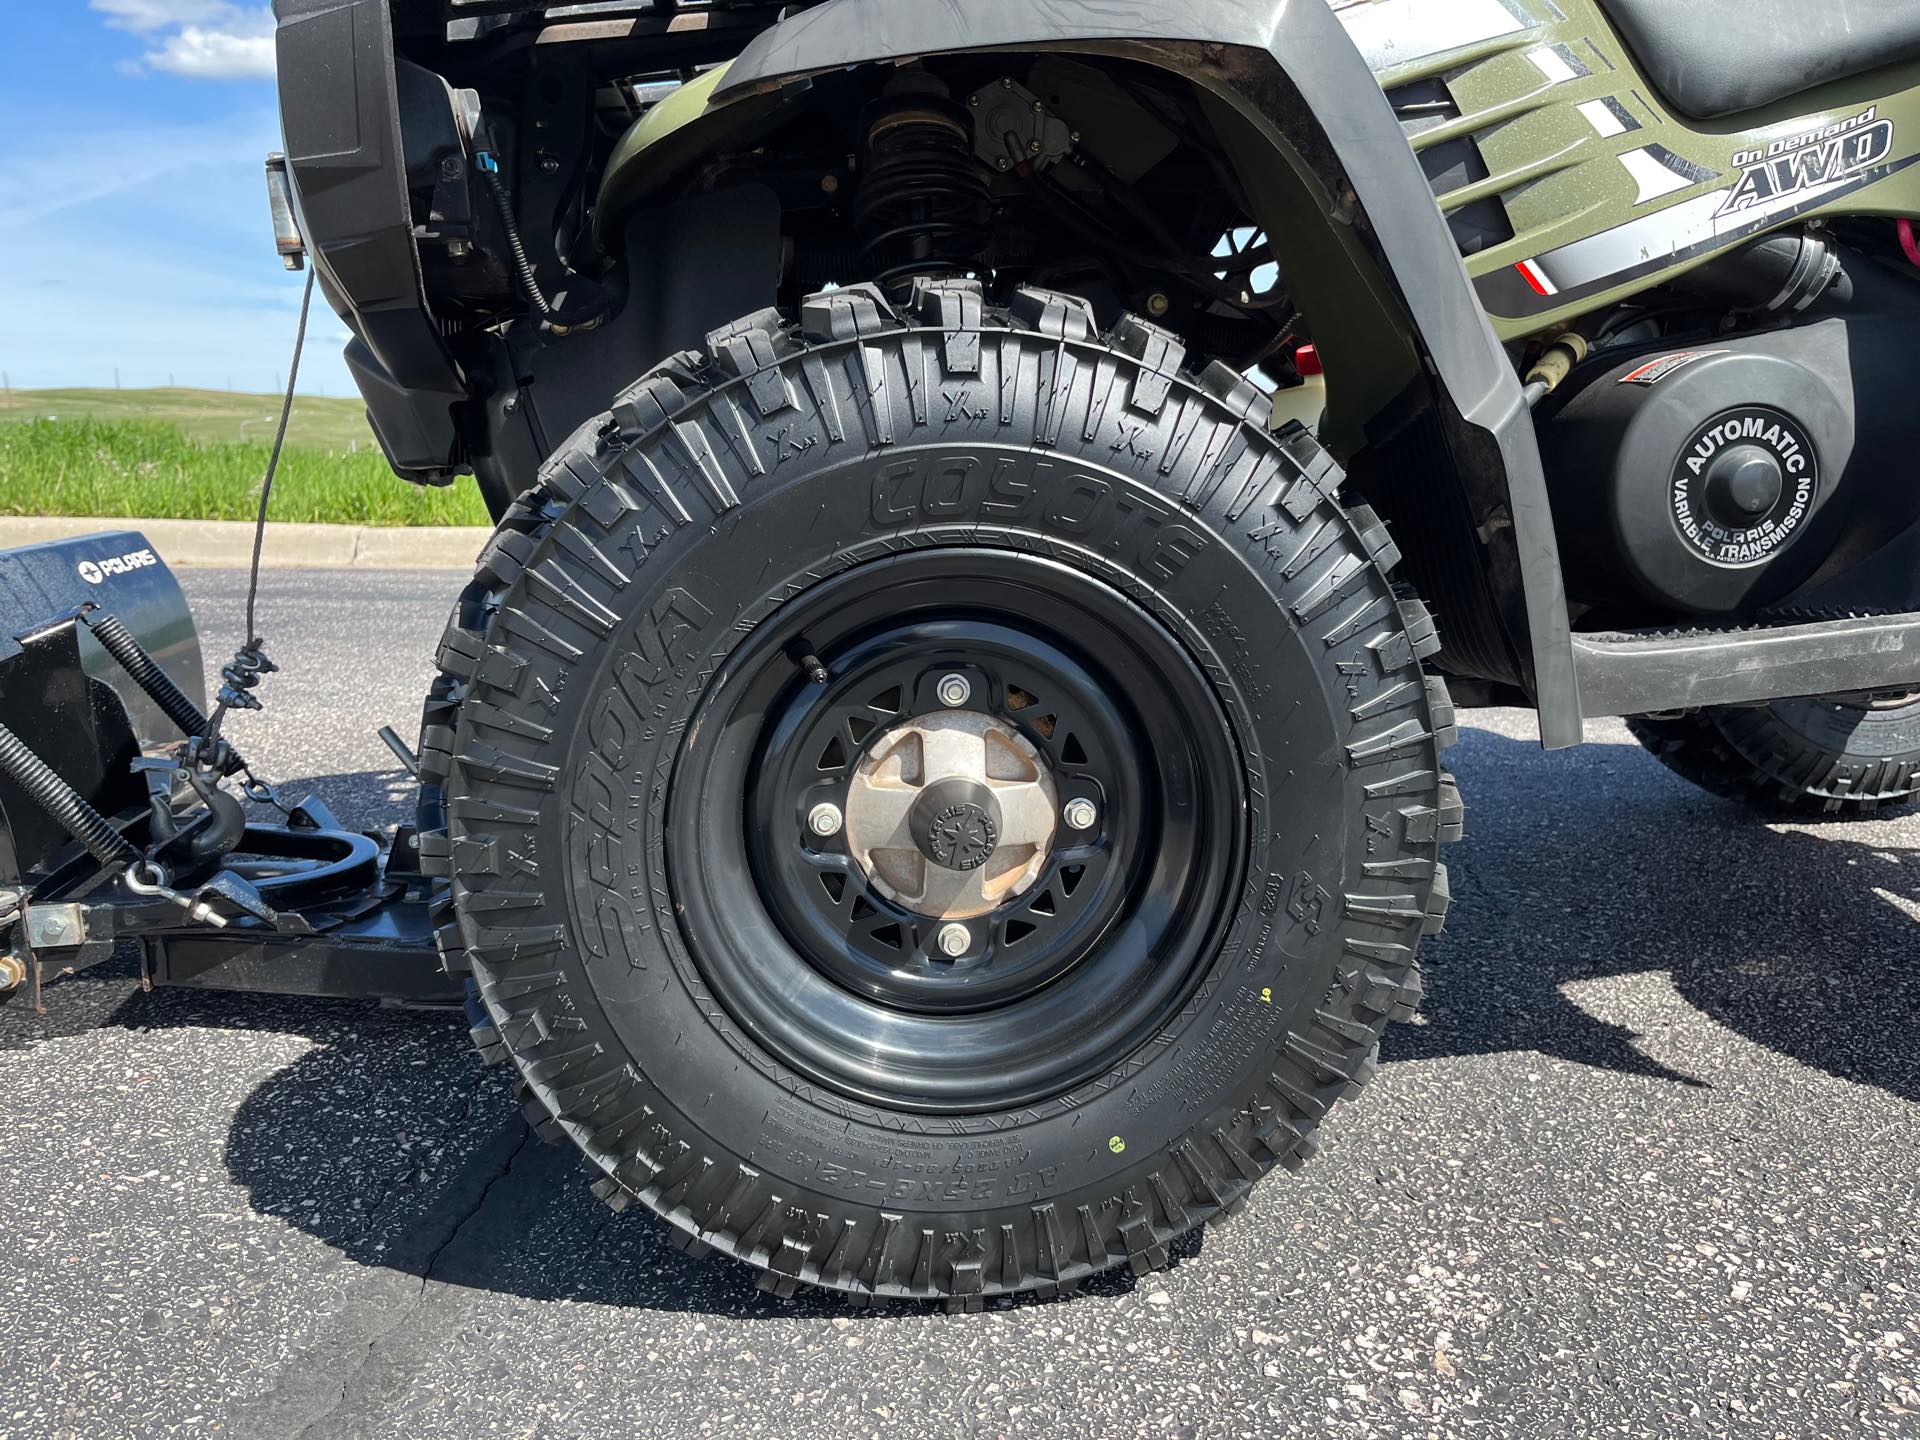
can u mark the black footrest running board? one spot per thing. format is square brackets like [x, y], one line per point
[1648, 674]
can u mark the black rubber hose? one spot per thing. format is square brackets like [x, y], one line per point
[552, 319]
[522, 268]
[64, 803]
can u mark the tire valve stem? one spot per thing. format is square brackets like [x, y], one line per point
[816, 669]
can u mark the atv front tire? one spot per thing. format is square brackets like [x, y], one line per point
[1841, 756]
[938, 801]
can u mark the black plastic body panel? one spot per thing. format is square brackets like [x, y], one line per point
[1646, 675]
[340, 115]
[695, 266]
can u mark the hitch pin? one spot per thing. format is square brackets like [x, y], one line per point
[401, 750]
[149, 879]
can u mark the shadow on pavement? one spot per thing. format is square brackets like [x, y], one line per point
[388, 1141]
[1595, 864]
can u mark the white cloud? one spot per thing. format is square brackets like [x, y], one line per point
[207, 54]
[198, 39]
[142, 16]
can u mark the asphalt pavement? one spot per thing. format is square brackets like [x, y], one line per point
[1648, 1166]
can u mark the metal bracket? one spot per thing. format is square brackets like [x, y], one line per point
[57, 927]
[286, 229]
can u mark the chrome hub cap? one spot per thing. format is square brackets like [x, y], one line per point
[951, 815]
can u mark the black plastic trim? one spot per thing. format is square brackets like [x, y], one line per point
[1632, 675]
[339, 111]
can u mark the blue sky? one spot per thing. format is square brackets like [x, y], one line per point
[133, 216]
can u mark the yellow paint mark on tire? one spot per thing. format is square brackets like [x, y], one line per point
[1116, 1144]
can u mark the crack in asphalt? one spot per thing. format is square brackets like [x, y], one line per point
[399, 1322]
[402, 1184]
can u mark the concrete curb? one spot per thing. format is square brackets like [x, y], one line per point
[228, 544]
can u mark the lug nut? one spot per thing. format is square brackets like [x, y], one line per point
[1080, 814]
[954, 940]
[955, 691]
[824, 820]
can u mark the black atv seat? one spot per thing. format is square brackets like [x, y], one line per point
[1719, 57]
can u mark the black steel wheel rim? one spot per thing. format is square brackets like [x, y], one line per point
[843, 981]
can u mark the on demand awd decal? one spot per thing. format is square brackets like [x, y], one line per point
[1790, 177]
[1805, 162]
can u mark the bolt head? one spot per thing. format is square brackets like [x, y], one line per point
[824, 819]
[1080, 814]
[954, 940]
[1158, 305]
[955, 691]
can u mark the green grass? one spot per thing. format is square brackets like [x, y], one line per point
[154, 469]
[213, 415]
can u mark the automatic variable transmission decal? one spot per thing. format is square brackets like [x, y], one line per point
[1744, 486]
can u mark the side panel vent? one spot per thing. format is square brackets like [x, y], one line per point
[1451, 165]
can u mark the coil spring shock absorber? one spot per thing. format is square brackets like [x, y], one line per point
[924, 207]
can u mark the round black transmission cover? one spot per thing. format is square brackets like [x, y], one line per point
[1700, 480]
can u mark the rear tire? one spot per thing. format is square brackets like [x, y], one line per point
[622, 753]
[1840, 756]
